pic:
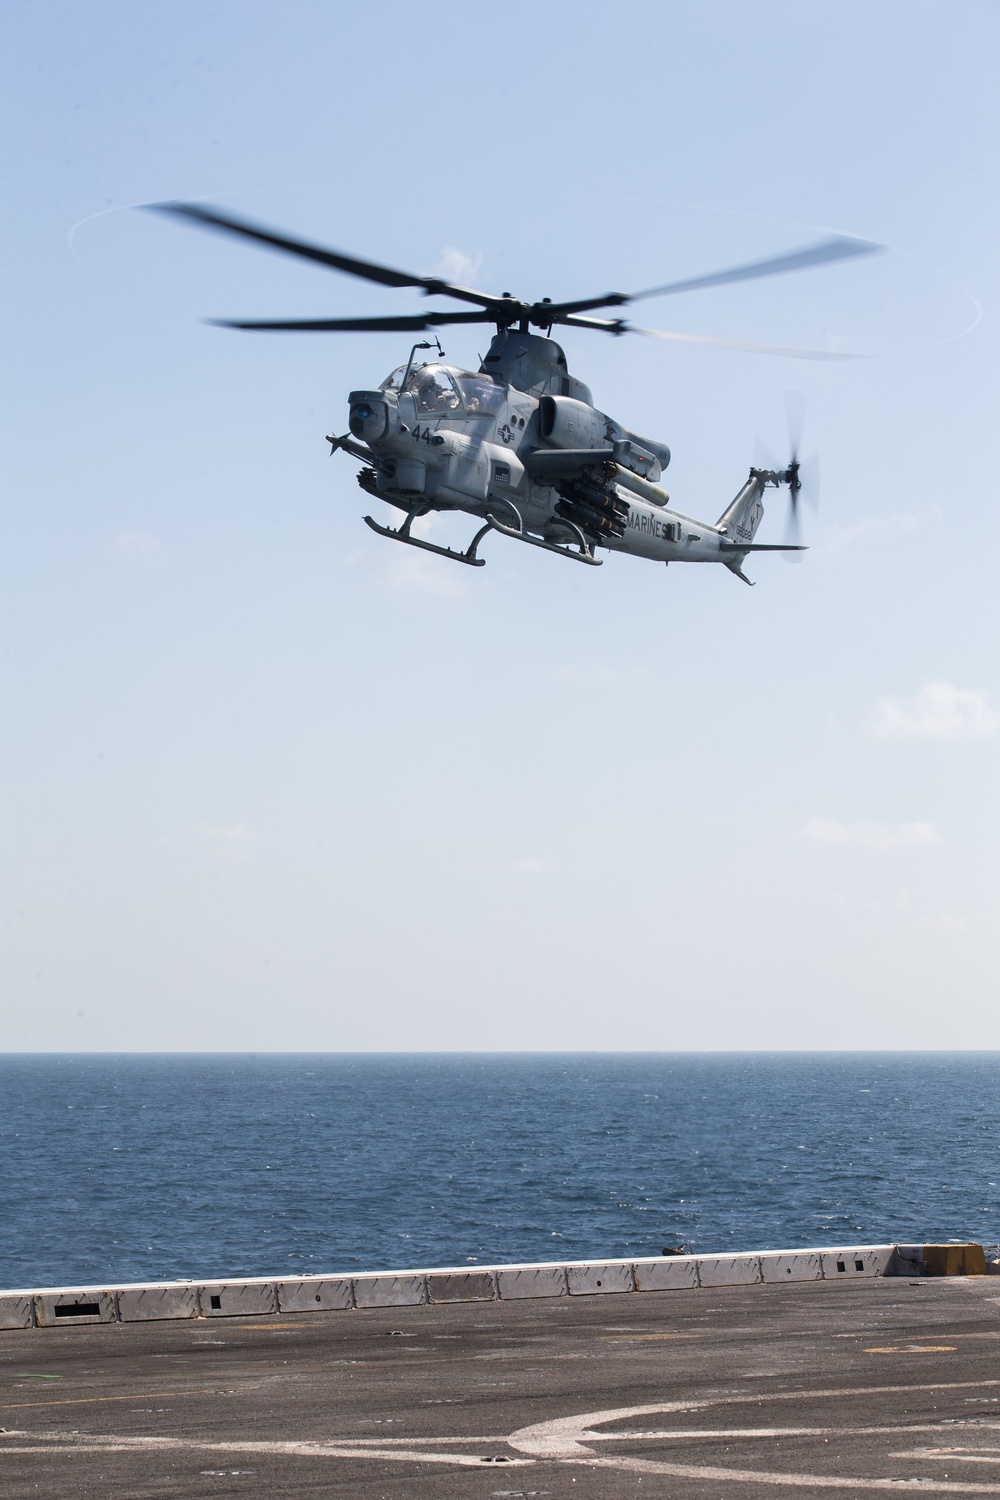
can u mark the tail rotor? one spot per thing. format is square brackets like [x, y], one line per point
[801, 476]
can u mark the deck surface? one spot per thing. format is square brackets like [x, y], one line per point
[740, 1391]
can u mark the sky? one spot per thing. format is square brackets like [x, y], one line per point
[272, 783]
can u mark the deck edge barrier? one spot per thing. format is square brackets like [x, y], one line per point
[69, 1307]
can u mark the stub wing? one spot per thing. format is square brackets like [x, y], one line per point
[548, 465]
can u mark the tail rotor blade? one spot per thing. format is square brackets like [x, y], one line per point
[800, 477]
[793, 527]
[809, 476]
[793, 530]
[763, 458]
[795, 415]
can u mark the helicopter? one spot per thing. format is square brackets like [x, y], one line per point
[519, 444]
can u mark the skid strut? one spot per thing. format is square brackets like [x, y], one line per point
[403, 535]
[516, 532]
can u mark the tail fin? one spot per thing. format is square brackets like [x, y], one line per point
[741, 520]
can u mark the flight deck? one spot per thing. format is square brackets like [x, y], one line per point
[883, 1382]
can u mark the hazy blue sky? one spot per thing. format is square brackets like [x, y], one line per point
[270, 782]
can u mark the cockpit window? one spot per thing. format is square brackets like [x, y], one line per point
[394, 382]
[438, 389]
[483, 397]
[432, 385]
[434, 389]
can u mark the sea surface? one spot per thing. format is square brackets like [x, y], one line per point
[131, 1168]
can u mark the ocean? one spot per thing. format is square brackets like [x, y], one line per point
[134, 1168]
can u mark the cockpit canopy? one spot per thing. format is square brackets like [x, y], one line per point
[443, 392]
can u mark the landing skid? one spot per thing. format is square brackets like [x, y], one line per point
[517, 533]
[403, 535]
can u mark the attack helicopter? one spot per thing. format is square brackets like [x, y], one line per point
[518, 444]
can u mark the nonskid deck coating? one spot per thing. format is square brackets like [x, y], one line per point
[880, 1384]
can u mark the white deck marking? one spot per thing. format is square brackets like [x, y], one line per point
[961, 1455]
[62, 1442]
[694, 1433]
[562, 1437]
[566, 1441]
[934, 1486]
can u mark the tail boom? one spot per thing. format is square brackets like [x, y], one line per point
[740, 520]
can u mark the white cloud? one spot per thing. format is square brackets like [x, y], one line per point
[227, 844]
[422, 573]
[140, 547]
[866, 835]
[940, 711]
[409, 570]
[455, 265]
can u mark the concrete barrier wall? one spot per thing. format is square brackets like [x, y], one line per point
[232, 1299]
[16, 1311]
[531, 1281]
[671, 1274]
[405, 1289]
[74, 1306]
[792, 1265]
[53, 1309]
[729, 1270]
[144, 1304]
[319, 1294]
[864, 1260]
[592, 1277]
[462, 1286]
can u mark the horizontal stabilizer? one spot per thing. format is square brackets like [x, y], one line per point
[761, 547]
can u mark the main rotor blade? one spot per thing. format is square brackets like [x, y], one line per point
[209, 218]
[789, 352]
[415, 324]
[618, 325]
[839, 247]
[603, 325]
